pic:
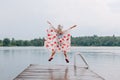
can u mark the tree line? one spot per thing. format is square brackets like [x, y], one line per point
[96, 41]
[13, 42]
[75, 41]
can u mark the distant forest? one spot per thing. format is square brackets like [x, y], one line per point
[75, 41]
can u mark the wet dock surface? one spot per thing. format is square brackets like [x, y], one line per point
[57, 72]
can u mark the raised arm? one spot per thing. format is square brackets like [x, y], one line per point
[73, 27]
[51, 25]
[70, 28]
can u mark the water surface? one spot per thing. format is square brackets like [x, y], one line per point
[103, 60]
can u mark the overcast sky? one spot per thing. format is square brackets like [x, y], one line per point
[26, 19]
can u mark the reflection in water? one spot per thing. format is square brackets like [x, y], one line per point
[68, 73]
[58, 76]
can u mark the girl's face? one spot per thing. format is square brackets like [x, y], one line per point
[60, 27]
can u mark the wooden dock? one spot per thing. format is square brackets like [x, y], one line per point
[57, 72]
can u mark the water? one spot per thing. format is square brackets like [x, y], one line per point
[103, 60]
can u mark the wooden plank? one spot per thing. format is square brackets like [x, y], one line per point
[57, 72]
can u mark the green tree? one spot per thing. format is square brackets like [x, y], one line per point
[13, 42]
[1, 43]
[37, 42]
[6, 42]
[26, 43]
[19, 43]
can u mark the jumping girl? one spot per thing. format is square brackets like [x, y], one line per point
[58, 40]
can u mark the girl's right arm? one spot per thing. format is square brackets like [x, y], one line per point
[51, 25]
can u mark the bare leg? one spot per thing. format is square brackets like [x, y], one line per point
[65, 54]
[66, 58]
[51, 57]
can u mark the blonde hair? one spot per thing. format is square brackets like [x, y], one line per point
[59, 29]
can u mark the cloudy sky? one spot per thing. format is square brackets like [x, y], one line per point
[26, 19]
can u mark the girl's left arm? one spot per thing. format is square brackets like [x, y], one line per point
[69, 28]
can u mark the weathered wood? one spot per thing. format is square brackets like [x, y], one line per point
[57, 72]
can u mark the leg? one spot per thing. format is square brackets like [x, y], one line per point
[51, 57]
[65, 54]
[66, 58]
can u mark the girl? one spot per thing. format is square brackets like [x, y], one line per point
[58, 40]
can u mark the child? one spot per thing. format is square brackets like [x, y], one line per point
[58, 40]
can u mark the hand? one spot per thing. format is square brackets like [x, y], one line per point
[48, 22]
[73, 26]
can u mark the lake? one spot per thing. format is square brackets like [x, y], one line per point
[103, 60]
